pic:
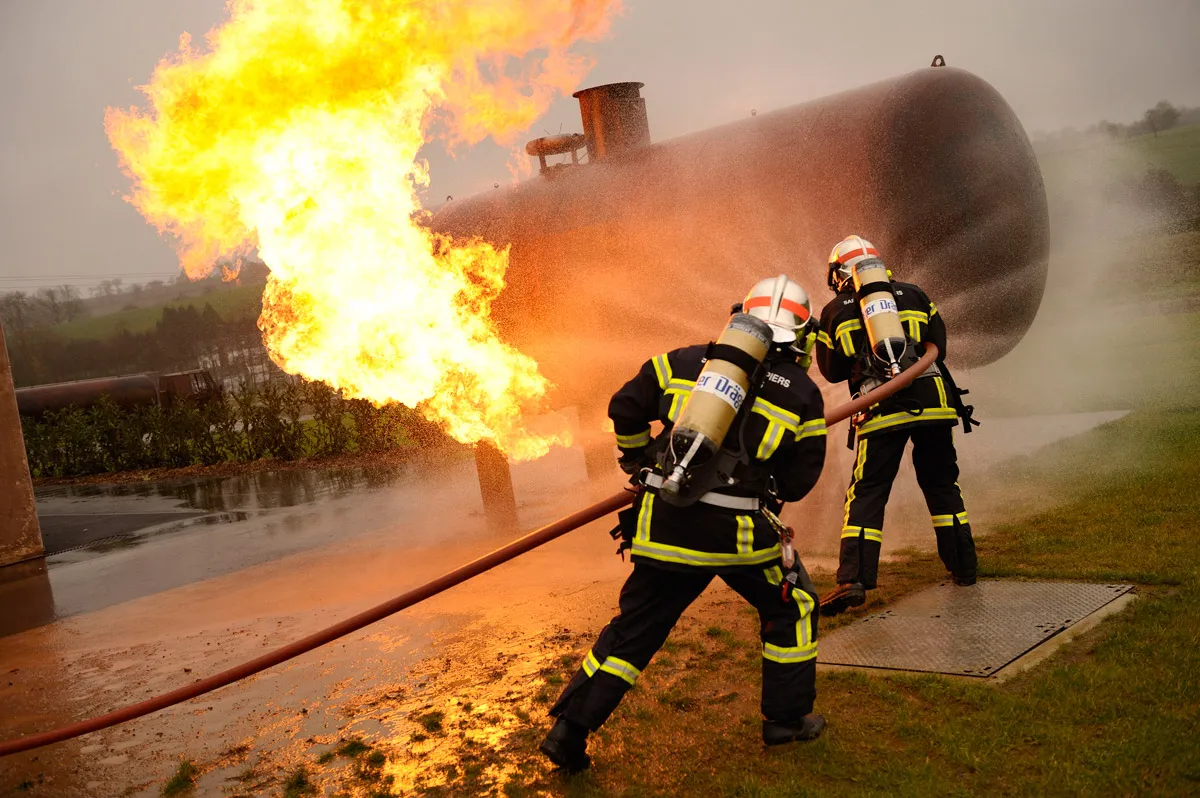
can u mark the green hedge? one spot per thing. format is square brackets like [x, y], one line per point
[281, 422]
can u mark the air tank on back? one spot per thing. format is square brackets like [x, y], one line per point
[645, 247]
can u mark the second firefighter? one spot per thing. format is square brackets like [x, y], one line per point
[854, 347]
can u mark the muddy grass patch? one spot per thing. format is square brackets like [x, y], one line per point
[184, 780]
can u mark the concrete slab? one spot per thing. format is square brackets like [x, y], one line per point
[970, 632]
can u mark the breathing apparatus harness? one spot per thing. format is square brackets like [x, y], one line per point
[730, 468]
[874, 373]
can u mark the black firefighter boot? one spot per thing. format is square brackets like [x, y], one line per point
[566, 746]
[847, 595]
[807, 728]
[956, 547]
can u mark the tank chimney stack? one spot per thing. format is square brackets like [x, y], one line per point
[614, 120]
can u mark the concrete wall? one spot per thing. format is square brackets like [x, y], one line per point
[20, 536]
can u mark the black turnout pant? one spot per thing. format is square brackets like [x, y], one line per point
[875, 468]
[652, 601]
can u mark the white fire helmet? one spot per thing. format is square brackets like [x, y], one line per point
[845, 256]
[782, 303]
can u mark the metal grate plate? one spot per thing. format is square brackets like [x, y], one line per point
[973, 631]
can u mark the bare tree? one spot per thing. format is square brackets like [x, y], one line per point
[1161, 117]
[15, 313]
[51, 300]
[71, 303]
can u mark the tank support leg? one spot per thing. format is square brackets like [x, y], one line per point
[496, 488]
[20, 535]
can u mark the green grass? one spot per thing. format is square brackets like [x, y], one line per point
[298, 784]
[352, 748]
[431, 721]
[183, 782]
[1176, 150]
[230, 303]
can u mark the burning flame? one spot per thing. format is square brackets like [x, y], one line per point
[297, 131]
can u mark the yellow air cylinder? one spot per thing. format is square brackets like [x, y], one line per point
[710, 409]
[880, 314]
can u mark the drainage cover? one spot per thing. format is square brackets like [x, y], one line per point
[965, 631]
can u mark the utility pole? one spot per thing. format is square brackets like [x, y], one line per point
[20, 535]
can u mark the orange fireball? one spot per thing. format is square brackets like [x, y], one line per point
[296, 131]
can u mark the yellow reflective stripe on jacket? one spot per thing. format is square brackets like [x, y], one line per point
[902, 417]
[643, 519]
[842, 334]
[941, 388]
[590, 664]
[772, 437]
[811, 429]
[932, 310]
[774, 412]
[914, 319]
[662, 368]
[634, 441]
[948, 520]
[823, 337]
[867, 533]
[745, 534]
[676, 554]
[779, 421]
[678, 390]
[621, 669]
[847, 327]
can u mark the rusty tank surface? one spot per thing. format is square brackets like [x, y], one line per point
[647, 245]
[126, 392]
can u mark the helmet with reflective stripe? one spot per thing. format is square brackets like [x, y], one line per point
[782, 303]
[845, 256]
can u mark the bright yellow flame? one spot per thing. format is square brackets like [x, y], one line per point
[297, 132]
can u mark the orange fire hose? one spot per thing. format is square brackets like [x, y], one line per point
[427, 590]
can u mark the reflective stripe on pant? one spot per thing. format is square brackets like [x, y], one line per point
[875, 468]
[651, 602]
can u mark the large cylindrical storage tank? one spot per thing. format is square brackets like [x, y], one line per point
[646, 249]
[139, 390]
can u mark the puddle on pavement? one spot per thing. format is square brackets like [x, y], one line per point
[251, 519]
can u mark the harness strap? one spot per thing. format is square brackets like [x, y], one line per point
[870, 288]
[738, 357]
[746, 503]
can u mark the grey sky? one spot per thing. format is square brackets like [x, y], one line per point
[704, 62]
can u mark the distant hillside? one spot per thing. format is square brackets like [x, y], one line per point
[231, 303]
[1177, 150]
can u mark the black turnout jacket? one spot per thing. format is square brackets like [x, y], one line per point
[844, 355]
[783, 430]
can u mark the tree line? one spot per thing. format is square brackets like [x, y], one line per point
[1163, 116]
[40, 355]
[286, 421]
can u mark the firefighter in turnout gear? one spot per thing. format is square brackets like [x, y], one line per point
[772, 453]
[926, 412]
